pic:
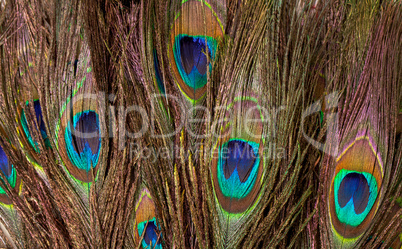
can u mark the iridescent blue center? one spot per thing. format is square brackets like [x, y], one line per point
[41, 125]
[190, 53]
[150, 236]
[355, 194]
[83, 140]
[8, 170]
[158, 74]
[238, 168]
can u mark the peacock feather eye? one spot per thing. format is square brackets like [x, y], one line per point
[190, 53]
[79, 138]
[194, 40]
[42, 128]
[149, 228]
[238, 161]
[158, 75]
[355, 189]
[145, 222]
[237, 165]
[10, 175]
[83, 149]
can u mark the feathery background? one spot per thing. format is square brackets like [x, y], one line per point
[200, 124]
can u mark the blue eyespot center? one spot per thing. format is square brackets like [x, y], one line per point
[355, 194]
[150, 236]
[238, 167]
[354, 186]
[158, 74]
[41, 125]
[190, 53]
[8, 170]
[83, 140]
[5, 166]
[240, 156]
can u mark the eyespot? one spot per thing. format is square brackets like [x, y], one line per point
[150, 230]
[10, 175]
[194, 39]
[237, 165]
[41, 125]
[355, 189]
[158, 75]
[145, 222]
[79, 138]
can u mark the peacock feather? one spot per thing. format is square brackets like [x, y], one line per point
[194, 37]
[79, 132]
[146, 225]
[200, 124]
[9, 178]
[359, 178]
[237, 165]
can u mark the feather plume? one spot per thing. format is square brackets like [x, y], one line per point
[200, 124]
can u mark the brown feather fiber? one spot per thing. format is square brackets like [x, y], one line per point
[302, 63]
